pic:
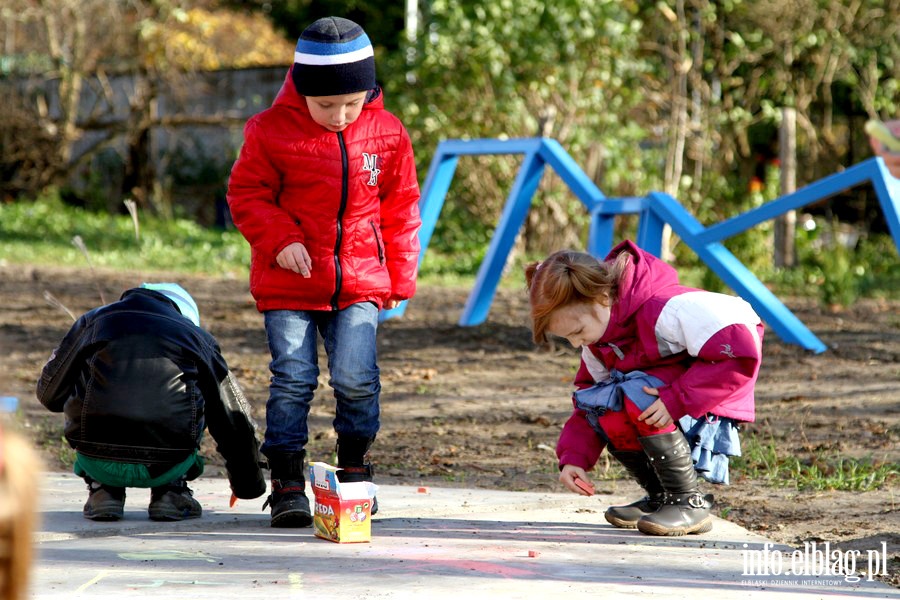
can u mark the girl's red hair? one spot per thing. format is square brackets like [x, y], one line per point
[569, 277]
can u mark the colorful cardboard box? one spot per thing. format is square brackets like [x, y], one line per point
[343, 511]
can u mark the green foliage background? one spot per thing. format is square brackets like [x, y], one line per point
[683, 96]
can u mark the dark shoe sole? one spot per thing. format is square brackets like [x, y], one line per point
[620, 523]
[104, 516]
[651, 528]
[292, 518]
[158, 514]
[112, 511]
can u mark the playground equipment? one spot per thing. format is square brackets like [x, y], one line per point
[654, 211]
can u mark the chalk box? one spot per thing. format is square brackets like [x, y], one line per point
[343, 511]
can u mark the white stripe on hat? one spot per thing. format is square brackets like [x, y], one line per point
[334, 59]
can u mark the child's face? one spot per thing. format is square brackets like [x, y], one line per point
[335, 113]
[581, 324]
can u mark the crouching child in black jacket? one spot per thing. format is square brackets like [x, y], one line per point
[139, 381]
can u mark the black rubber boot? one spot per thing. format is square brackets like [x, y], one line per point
[638, 466]
[684, 510]
[288, 501]
[352, 453]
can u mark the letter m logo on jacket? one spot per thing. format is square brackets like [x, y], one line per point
[370, 164]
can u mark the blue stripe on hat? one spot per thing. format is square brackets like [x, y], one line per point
[305, 46]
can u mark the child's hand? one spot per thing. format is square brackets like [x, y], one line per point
[392, 304]
[569, 474]
[295, 258]
[656, 414]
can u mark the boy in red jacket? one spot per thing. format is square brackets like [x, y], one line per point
[325, 190]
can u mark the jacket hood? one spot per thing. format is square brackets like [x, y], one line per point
[180, 297]
[169, 295]
[645, 278]
[289, 97]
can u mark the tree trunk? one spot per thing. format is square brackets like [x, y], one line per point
[678, 132]
[785, 225]
[140, 174]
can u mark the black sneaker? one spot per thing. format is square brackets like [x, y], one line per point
[289, 504]
[173, 502]
[104, 503]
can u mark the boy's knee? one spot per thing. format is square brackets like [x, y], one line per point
[357, 388]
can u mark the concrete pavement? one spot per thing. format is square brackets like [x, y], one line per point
[430, 543]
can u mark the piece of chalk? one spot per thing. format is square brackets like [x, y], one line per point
[423, 490]
[585, 486]
[533, 554]
[233, 501]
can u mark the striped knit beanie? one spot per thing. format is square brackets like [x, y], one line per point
[333, 56]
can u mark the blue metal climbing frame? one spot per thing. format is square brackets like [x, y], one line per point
[654, 211]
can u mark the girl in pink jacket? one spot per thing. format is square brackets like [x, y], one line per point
[667, 372]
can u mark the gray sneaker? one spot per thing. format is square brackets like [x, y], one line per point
[104, 503]
[173, 502]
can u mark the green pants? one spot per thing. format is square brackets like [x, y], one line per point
[119, 474]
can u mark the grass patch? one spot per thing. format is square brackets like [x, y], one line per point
[761, 460]
[43, 233]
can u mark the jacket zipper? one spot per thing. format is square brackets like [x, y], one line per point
[345, 185]
[377, 242]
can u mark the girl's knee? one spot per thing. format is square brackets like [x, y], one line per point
[619, 430]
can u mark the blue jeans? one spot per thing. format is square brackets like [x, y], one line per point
[349, 338]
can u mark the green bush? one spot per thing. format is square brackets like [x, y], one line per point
[839, 271]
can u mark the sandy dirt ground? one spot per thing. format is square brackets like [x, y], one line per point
[482, 407]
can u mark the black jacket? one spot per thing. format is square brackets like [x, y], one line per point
[138, 383]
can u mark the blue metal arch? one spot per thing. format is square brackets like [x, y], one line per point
[655, 211]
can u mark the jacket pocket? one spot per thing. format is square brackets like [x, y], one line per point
[378, 241]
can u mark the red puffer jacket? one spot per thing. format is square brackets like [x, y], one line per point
[351, 198]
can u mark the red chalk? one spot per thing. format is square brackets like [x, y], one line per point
[423, 490]
[533, 554]
[585, 486]
[232, 502]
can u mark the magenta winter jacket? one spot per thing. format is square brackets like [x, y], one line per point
[706, 347]
[351, 198]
